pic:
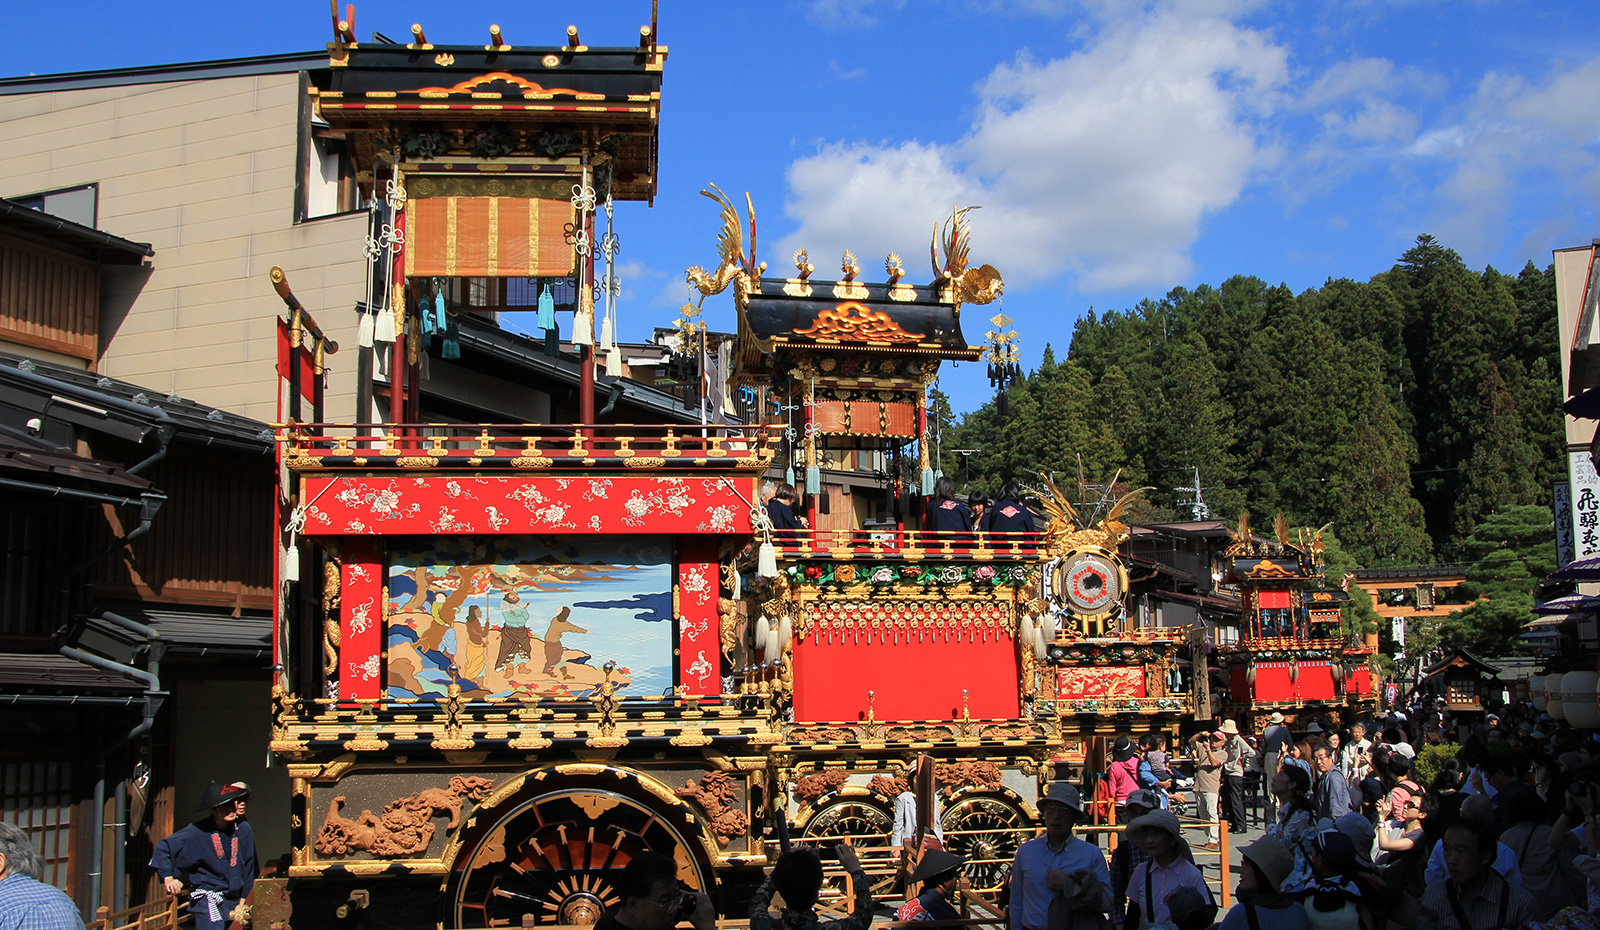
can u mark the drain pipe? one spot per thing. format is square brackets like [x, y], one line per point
[152, 702]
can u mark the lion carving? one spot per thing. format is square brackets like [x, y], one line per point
[405, 827]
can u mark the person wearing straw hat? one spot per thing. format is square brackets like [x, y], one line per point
[1058, 880]
[215, 857]
[939, 873]
[1239, 755]
[1128, 854]
[1264, 866]
[1163, 873]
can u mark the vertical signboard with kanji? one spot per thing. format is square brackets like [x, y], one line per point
[1562, 505]
[1585, 505]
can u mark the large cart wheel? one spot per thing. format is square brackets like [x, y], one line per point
[862, 818]
[557, 858]
[986, 829]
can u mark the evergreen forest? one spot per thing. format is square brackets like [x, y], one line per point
[1407, 410]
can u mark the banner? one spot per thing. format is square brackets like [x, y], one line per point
[1562, 505]
[1585, 493]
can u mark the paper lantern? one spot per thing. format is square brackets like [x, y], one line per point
[1554, 703]
[1579, 690]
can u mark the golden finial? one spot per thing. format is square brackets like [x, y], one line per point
[848, 265]
[893, 267]
[802, 264]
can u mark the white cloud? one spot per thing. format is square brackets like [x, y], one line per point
[1515, 131]
[1103, 163]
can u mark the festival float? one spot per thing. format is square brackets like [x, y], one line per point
[510, 657]
[1291, 656]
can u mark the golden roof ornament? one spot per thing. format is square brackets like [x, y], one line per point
[980, 285]
[1070, 527]
[733, 265]
[848, 288]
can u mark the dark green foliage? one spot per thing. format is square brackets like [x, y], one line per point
[1406, 409]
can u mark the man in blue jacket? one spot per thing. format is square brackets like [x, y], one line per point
[215, 857]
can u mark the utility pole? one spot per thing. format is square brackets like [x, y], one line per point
[1197, 506]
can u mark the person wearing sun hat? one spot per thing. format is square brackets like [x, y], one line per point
[1128, 854]
[939, 873]
[1058, 875]
[1264, 866]
[1238, 756]
[1122, 774]
[1163, 873]
[215, 857]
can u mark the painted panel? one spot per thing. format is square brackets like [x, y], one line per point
[437, 505]
[530, 617]
[1101, 682]
[360, 626]
[699, 583]
[917, 677]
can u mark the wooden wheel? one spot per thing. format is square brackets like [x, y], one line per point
[557, 857]
[986, 829]
[862, 819]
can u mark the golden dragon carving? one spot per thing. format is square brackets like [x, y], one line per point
[733, 265]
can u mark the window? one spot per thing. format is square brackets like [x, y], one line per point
[37, 797]
[330, 184]
[79, 204]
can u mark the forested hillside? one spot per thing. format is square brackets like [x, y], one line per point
[1404, 409]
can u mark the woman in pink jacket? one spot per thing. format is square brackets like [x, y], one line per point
[1122, 774]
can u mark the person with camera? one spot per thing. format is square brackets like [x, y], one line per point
[797, 876]
[1576, 828]
[652, 899]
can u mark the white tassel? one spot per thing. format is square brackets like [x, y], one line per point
[761, 631]
[1047, 624]
[364, 331]
[738, 585]
[613, 362]
[781, 640]
[607, 342]
[383, 326]
[291, 563]
[1025, 630]
[583, 325]
[766, 561]
[1040, 648]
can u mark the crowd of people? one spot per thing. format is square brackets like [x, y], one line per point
[1496, 830]
[1493, 830]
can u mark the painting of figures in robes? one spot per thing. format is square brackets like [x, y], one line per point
[525, 618]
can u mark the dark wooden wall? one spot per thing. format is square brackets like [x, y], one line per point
[211, 543]
[49, 299]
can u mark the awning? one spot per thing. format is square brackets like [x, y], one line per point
[1587, 569]
[1566, 604]
[1545, 622]
[1585, 406]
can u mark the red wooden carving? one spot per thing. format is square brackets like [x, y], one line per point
[439, 505]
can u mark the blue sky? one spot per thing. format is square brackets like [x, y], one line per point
[1119, 149]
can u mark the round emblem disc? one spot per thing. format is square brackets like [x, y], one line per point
[1090, 583]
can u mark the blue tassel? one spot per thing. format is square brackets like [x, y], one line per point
[813, 480]
[451, 347]
[788, 475]
[552, 339]
[927, 482]
[425, 314]
[547, 310]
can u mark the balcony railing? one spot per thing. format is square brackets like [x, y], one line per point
[527, 446]
[908, 545]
